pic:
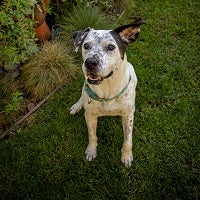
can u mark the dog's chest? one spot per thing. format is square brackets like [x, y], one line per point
[119, 106]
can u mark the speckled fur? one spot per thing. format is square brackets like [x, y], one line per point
[124, 105]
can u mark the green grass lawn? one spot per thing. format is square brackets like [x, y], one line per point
[46, 160]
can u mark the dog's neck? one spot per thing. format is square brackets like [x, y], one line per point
[111, 86]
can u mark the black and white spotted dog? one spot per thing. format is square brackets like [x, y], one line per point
[110, 82]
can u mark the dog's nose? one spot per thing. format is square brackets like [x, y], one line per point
[91, 63]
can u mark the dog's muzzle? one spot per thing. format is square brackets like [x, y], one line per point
[91, 64]
[92, 67]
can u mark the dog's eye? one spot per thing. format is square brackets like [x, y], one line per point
[110, 47]
[86, 46]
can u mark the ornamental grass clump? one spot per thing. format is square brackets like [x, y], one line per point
[82, 17]
[50, 68]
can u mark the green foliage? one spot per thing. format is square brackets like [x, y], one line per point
[17, 97]
[17, 38]
[82, 17]
[7, 87]
[114, 6]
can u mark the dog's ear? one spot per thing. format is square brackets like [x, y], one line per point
[79, 36]
[129, 33]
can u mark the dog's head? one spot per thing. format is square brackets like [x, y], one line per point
[104, 50]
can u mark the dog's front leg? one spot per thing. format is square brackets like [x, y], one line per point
[127, 156]
[91, 151]
[76, 107]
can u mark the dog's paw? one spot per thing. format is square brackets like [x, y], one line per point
[76, 108]
[127, 161]
[91, 153]
[127, 158]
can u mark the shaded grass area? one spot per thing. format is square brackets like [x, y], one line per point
[46, 159]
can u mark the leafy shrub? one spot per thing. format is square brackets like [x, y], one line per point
[17, 38]
[15, 103]
[8, 86]
[48, 69]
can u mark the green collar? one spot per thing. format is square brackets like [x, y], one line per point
[92, 94]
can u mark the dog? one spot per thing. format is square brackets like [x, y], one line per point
[110, 82]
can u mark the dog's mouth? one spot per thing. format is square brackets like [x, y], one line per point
[95, 79]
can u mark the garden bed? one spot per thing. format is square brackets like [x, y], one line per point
[43, 61]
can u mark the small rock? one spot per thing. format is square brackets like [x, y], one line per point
[30, 106]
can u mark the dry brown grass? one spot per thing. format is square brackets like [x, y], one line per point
[48, 69]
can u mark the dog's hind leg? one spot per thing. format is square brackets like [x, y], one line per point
[76, 107]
